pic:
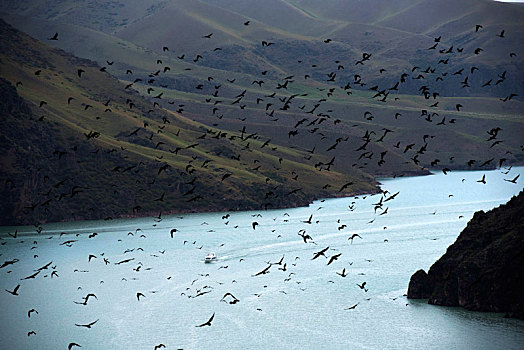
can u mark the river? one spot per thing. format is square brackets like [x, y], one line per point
[299, 304]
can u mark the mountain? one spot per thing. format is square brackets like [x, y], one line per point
[350, 86]
[396, 35]
[86, 146]
[483, 269]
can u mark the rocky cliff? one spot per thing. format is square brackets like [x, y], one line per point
[484, 269]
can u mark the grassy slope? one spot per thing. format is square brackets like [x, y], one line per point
[348, 108]
[142, 61]
[246, 187]
[242, 59]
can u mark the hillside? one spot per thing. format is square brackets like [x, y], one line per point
[483, 269]
[83, 146]
[348, 86]
[396, 33]
[403, 87]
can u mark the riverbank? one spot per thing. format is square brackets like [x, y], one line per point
[421, 222]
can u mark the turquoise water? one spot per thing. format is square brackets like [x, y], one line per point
[303, 307]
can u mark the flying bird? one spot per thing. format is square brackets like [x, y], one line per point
[208, 322]
[514, 180]
[353, 306]
[31, 311]
[89, 325]
[483, 180]
[353, 236]
[333, 258]
[320, 253]
[14, 291]
[343, 273]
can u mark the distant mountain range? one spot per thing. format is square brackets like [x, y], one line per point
[191, 105]
[397, 33]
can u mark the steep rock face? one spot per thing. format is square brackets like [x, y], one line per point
[484, 269]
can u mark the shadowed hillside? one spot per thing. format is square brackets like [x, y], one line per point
[483, 269]
[82, 145]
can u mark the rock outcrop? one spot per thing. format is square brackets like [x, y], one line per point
[484, 269]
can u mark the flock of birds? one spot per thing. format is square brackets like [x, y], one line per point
[272, 102]
[310, 126]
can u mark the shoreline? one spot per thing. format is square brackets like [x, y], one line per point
[296, 204]
[186, 212]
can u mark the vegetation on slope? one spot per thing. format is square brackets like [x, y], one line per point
[353, 89]
[85, 146]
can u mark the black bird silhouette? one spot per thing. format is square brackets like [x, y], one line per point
[353, 236]
[345, 186]
[30, 311]
[79, 72]
[264, 271]
[233, 301]
[89, 325]
[483, 180]
[208, 36]
[319, 253]
[361, 286]
[70, 346]
[159, 346]
[514, 180]
[333, 258]
[343, 273]
[54, 37]
[305, 237]
[308, 221]
[138, 295]
[208, 322]
[15, 291]
[86, 298]
[353, 306]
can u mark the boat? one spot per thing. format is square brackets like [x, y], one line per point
[211, 257]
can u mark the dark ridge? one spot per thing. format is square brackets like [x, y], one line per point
[484, 269]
